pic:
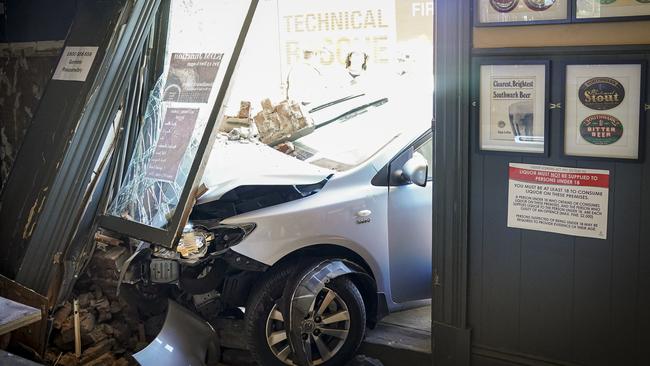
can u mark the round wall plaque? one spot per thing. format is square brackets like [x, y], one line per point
[601, 93]
[601, 129]
[504, 6]
[539, 5]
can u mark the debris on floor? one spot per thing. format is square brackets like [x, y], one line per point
[239, 127]
[112, 326]
[362, 360]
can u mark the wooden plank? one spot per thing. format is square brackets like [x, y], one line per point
[33, 336]
[14, 315]
[7, 358]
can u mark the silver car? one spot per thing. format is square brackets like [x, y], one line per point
[318, 244]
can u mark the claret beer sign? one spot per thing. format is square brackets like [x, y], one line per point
[331, 29]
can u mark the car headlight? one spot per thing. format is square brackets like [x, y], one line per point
[194, 242]
[226, 236]
[197, 241]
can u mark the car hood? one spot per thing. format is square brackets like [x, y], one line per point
[244, 163]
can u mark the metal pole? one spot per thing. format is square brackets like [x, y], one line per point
[77, 328]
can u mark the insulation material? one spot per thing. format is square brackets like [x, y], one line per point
[24, 71]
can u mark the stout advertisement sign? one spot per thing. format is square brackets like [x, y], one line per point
[557, 199]
[603, 110]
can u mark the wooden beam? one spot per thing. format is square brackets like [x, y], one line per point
[14, 315]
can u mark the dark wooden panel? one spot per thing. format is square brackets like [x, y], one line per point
[592, 288]
[479, 360]
[556, 299]
[475, 285]
[501, 261]
[625, 266]
[642, 313]
[545, 312]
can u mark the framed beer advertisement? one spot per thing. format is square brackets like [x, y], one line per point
[599, 10]
[604, 110]
[512, 107]
[518, 12]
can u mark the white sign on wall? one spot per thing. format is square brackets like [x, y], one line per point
[75, 63]
[334, 28]
[557, 199]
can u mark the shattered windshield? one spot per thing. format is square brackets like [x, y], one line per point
[349, 140]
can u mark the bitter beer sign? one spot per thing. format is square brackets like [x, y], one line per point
[558, 199]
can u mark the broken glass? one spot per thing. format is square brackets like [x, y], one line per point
[200, 44]
[147, 197]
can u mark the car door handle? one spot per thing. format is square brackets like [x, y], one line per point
[364, 213]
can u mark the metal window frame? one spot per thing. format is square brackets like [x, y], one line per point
[55, 229]
[169, 236]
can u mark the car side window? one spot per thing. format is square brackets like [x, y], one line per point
[423, 145]
[426, 149]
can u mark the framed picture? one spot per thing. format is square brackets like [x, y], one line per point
[518, 12]
[603, 110]
[512, 109]
[599, 10]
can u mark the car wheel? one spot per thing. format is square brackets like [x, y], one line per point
[339, 323]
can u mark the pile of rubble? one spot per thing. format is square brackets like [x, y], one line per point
[112, 327]
[273, 125]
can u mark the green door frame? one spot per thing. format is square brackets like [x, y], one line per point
[450, 332]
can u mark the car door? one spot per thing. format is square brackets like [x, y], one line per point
[410, 227]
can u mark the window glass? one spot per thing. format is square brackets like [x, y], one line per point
[360, 72]
[201, 39]
[426, 150]
[326, 82]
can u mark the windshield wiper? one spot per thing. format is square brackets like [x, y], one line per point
[353, 111]
[334, 102]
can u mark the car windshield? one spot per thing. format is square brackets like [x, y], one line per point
[347, 133]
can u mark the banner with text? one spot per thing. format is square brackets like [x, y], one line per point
[558, 199]
[172, 143]
[334, 28]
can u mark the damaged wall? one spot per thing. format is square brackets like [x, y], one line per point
[31, 32]
[35, 20]
[27, 190]
[25, 69]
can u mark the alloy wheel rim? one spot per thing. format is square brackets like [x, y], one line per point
[325, 330]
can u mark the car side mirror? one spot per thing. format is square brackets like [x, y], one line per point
[416, 170]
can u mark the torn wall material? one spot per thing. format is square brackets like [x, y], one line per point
[113, 327]
[59, 121]
[25, 69]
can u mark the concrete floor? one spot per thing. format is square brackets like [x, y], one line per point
[418, 318]
[401, 338]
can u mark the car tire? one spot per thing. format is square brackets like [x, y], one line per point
[265, 299]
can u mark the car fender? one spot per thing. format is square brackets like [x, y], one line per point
[300, 295]
[284, 251]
